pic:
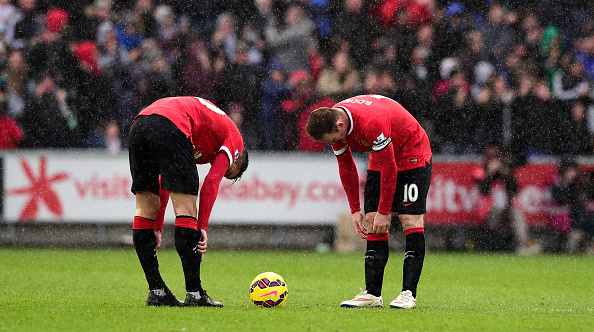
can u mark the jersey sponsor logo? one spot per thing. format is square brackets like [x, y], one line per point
[413, 160]
[197, 154]
[381, 142]
[236, 155]
[406, 204]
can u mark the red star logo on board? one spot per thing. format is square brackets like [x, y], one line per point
[39, 191]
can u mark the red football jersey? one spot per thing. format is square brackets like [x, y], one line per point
[395, 139]
[208, 127]
[211, 131]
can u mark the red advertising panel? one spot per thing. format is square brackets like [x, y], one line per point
[453, 197]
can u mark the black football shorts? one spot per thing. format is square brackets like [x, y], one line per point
[412, 187]
[157, 147]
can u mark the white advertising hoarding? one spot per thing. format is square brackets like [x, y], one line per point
[83, 186]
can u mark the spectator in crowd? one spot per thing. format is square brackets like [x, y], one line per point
[351, 26]
[25, 24]
[130, 33]
[427, 54]
[451, 30]
[448, 68]
[473, 53]
[496, 32]
[378, 82]
[489, 109]
[134, 95]
[570, 82]
[457, 108]
[585, 52]
[105, 136]
[111, 55]
[200, 75]
[387, 59]
[574, 188]
[48, 120]
[144, 12]
[16, 74]
[576, 138]
[256, 44]
[291, 43]
[7, 11]
[536, 114]
[417, 96]
[102, 19]
[498, 186]
[301, 101]
[11, 133]
[341, 79]
[240, 83]
[530, 37]
[552, 47]
[504, 96]
[162, 82]
[167, 28]
[274, 91]
[225, 36]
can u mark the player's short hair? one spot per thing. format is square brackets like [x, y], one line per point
[322, 121]
[245, 161]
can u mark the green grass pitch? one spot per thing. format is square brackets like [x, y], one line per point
[105, 290]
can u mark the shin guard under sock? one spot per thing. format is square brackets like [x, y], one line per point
[413, 259]
[376, 258]
[186, 243]
[145, 243]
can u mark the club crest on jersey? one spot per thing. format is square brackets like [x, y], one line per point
[363, 142]
[197, 154]
[381, 142]
[236, 155]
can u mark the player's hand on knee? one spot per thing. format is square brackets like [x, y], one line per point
[158, 233]
[203, 243]
[359, 225]
[381, 223]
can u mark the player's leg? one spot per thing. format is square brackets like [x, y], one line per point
[414, 256]
[144, 236]
[145, 184]
[376, 258]
[376, 253]
[180, 176]
[410, 201]
[187, 236]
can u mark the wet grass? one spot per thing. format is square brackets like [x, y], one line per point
[105, 290]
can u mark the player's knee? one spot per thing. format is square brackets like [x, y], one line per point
[410, 221]
[369, 217]
[147, 205]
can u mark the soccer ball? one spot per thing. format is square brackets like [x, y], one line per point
[268, 289]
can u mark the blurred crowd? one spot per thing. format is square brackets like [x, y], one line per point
[516, 74]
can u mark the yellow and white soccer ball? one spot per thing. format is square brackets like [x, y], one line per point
[268, 289]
